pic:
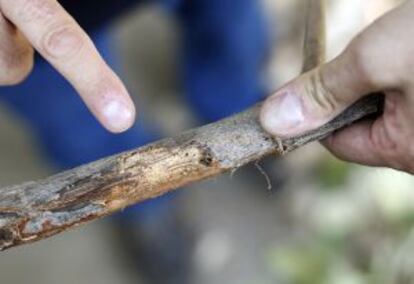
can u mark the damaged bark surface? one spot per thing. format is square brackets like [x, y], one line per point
[36, 210]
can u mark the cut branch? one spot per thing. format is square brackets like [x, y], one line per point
[35, 210]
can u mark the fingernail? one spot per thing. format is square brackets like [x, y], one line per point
[282, 114]
[117, 116]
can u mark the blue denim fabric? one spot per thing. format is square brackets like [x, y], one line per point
[225, 45]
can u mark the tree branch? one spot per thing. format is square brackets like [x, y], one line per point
[36, 210]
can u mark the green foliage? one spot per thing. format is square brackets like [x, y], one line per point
[332, 172]
[301, 265]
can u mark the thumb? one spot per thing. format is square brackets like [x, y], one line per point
[316, 97]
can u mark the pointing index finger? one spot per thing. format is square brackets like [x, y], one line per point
[62, 42]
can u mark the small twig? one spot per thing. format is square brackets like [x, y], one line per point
[265, 175]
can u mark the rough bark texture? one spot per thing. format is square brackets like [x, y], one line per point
[36, 210]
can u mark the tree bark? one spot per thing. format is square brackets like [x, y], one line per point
[36, 210]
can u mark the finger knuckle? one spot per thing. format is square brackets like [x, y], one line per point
[395, 152]
[359, 51]
[384, 144]
[62, 42]
[320, 93]
[17, 67]
[30, 10]
[402, 165]
[409, 164]
[14, 76]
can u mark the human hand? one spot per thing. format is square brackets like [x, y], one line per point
[44, 25]
[381, 58]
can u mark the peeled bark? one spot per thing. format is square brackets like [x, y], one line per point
[36, 210]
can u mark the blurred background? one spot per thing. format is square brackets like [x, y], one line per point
[318, 221]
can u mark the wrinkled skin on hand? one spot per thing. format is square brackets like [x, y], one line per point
[44, 25]
[379, 59]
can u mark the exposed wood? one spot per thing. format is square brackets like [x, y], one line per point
[36, 210]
